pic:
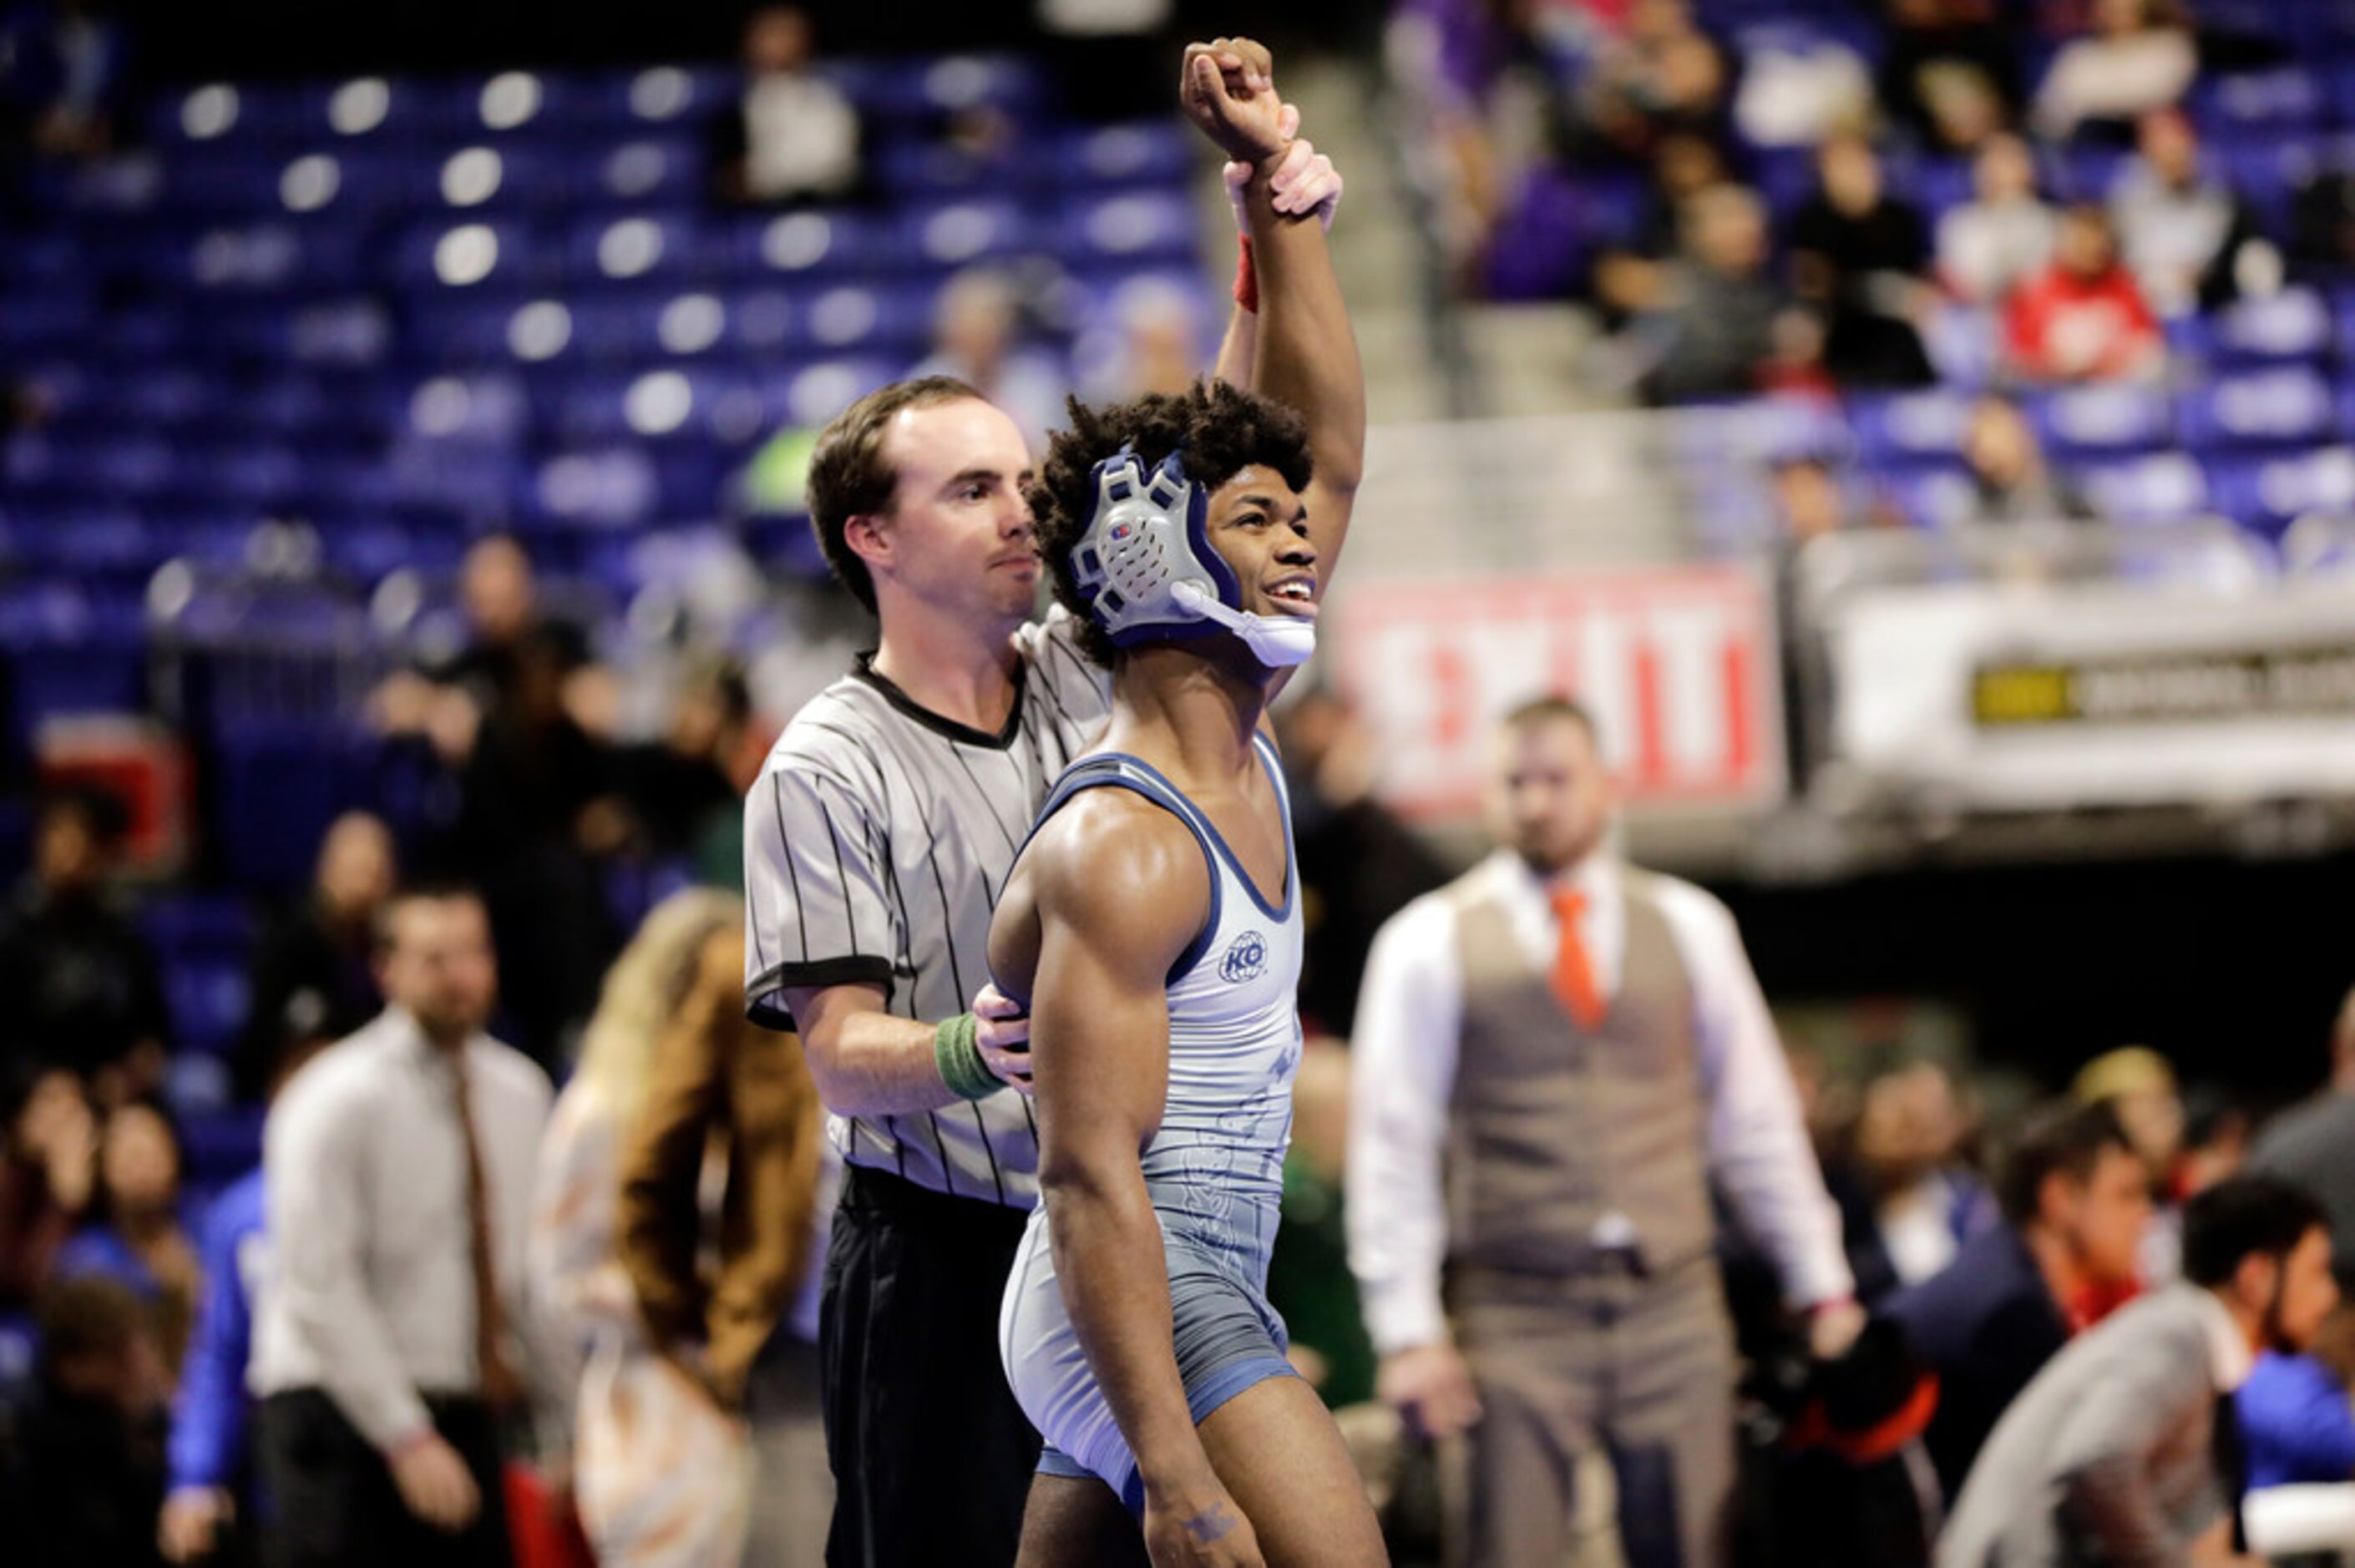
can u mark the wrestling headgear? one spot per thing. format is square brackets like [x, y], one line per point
[1147, 568]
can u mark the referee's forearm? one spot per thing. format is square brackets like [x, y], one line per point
[871, 1063]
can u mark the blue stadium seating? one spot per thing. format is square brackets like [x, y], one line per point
[245, 322]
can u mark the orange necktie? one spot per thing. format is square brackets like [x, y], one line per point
[1573, 973]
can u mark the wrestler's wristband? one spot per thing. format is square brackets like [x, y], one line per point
[957, 1054]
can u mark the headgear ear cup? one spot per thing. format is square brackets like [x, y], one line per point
[1147, 568]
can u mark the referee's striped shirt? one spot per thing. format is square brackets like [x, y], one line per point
[876, 842]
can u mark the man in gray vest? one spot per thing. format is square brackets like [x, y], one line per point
[1554, 1055]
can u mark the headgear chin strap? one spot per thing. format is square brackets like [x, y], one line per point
[1145, 566]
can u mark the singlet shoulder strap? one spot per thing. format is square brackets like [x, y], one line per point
[1118, 771]
[1273, 763]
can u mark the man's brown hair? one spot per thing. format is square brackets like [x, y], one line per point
[847, 475]
[1551, 708]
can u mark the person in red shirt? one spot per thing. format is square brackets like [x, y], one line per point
[2084, 318]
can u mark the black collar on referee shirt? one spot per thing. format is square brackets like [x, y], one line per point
[964, 734]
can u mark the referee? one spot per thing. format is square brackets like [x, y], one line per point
[877, 839]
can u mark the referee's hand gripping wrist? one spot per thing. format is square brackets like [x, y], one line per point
[988, 1049]
[1002, 1035]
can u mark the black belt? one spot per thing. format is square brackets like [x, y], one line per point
[865, 1190]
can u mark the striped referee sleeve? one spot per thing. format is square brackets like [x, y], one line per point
[815, 886]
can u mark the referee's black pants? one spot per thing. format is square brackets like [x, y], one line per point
[932, 1457]
[333, 1503]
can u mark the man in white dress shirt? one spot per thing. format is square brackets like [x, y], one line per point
[397, 1171]
[1555, 1055]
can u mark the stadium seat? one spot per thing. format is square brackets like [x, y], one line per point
[208, 1000]
[660, 98]
[649, 245]
[1910, 426]
[2286, 98]
[2265, 493]
[2279, 408]
[958, 234]
[811, 243]
[1930, 495]
[2101, 422]
[2294, 324]
[1136, 151]
[2166, 487]
[1140, 224]
[651, 170]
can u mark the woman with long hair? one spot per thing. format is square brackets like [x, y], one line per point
[661, 1467]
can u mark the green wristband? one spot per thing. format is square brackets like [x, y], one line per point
[958, 1056]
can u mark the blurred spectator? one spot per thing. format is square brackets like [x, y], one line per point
[2121, 1450]
[2074, 1208]
[91, 1472]
[1360, 864]
[210, 1492]
[2296, 1414]
[1809, 501]
[397, 1168]
[1860, 255]
[449, 699]
[720, 1300]
[537, 816]
[686, 791]
[2216, 1134]
[82, 982]
[973, 339]
[2191, 242]
[2084, 318]
[1627, 278]
[2140, 1085]
[1714, 322]
[312, 978]
[2009, 479]
[2004, 234]
[660, 1470]
[137, 1238]
[207, 1507]
[1926, 1203]
[1308, 1278]
[1797, 91]
[2322, 223]
[1661, 77]
[2137, 56]
[49, 1173]
[1949, 75]
[63, 75]
[2310, 1143]
[793, 137]
[1147, 342]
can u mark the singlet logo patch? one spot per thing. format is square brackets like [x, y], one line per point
[1246, 960]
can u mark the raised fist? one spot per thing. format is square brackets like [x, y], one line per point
[1228, 89]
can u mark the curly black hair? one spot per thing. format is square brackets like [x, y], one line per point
[1223, 430]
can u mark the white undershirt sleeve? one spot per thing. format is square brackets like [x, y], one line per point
[1402, 1073]
[1759, 1148]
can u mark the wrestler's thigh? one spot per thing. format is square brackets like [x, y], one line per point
[1076, 1521]
[1275, 1448]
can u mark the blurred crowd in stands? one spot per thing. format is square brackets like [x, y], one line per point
[1886, 209]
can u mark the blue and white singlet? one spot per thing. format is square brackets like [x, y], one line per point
[1214, 1169]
